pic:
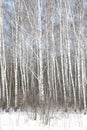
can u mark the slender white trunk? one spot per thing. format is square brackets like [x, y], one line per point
[61, 51]
[41, 85]
[16, 64]
[3, 60]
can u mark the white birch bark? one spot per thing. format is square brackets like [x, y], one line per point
[68, 8]
[16, 58]
[3, 61]
[41, 85]
[1, 44]
[83, 68]
[61, 52]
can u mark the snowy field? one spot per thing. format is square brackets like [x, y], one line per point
[25, 121]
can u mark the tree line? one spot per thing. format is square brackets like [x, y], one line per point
[43, 54]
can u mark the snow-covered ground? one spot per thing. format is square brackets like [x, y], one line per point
[25, 121]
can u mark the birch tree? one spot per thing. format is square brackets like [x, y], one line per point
[41, 85]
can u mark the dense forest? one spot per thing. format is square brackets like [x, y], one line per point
[43, 54]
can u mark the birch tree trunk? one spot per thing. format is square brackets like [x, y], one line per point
[61, 50]
[3, 62]
[41, 85]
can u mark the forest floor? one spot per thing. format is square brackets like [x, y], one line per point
[58, 121]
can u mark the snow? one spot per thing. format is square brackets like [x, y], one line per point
[61, 121]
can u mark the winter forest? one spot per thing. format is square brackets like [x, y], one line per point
[43, 54]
